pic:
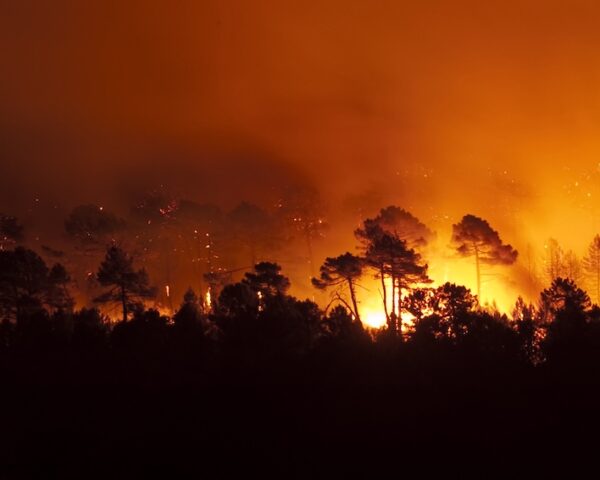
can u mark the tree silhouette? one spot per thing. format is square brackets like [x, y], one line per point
[448, 316]
[391, 259]
[215, 280]
[564, 297]
[342, 271]
[237, 300]
[128, 286]
[26, 283]
[565, 307]
[58, 295]
[11, 231]
[398, 222]
[525, 318]
[441, 312]
[267, 280]
[591, 267]
[145, 334]
[473, 236]
[90, 329]
[190, 311]
[340, 325]
[91, 228]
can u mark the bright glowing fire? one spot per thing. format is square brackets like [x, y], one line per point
[371, 309]
[208, 299]
[373, 317]
[497, 289]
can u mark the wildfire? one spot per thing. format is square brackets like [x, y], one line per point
[208, 299]
[373, 317]
[372, 313]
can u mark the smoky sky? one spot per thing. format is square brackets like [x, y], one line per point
[441, 106]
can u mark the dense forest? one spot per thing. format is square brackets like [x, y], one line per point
[247, 376]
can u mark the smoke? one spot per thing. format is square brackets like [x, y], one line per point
[443, 108]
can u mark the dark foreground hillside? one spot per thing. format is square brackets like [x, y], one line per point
[262, 384]
[365, 411]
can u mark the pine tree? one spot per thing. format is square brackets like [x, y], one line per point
[474, 237]
[127, 286]
[341, 271]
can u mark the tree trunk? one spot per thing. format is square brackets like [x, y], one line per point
[385, 308]
[478, 274]
[354, 303]
[399, 309]
[124, 303]
[393, 322]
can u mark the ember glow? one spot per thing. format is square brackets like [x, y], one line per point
[446, 110]
[290, 233]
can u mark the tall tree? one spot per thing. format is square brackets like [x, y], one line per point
[27, 284]
[591, 267]
[442, 312]
[564, 297]
[23, 281]
[391, 259]
[525, 320]
[474, 237]
[127, 285]
[565, 309]
[58, 295]
[342, 271]
[91, 228]
[189, 322]
[267, 280]
[395, 221]
[446, 301]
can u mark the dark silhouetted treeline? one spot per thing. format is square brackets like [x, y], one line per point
[260, 381]
[245, 379]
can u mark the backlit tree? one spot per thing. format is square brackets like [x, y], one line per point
[393, 261]
[342, 271]
[395, 221]
[474, 237]
[128, 287]
[11, 231]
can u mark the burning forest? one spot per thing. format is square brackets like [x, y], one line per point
[315, 239]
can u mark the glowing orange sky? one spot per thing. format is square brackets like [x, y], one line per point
[441, 107]
[333, 82]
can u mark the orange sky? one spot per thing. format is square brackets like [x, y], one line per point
[444, 108]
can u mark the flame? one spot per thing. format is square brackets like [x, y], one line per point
[373, 314]
[260, 301]
[208, 299]
[373, 317]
